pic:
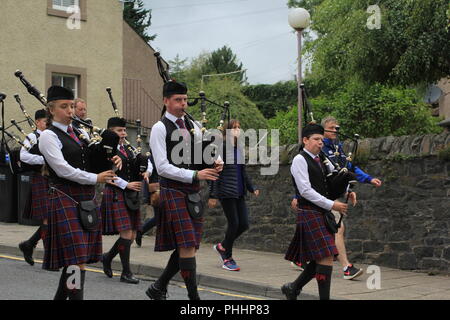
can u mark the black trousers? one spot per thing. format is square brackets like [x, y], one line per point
[237, 216]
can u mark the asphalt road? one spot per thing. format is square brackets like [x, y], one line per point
[19, 281]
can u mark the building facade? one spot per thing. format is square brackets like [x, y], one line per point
[86, 50]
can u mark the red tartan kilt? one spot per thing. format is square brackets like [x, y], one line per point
[312, 241]
[66, 242]
[115, 215]
[39, 197]
[175, 227]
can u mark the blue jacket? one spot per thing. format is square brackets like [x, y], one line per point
[329, 149]
[233, 181]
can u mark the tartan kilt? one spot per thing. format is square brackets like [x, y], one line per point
[39, 197]
[115, 215]
[66, 242]
[312, 241]
[174, 227]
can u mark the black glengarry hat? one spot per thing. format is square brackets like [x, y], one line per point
[116, 122]
[311, 129]
[40, 114]
[59, 93]
[173, 87]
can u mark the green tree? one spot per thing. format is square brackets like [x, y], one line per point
[378, 111]
[241, 108]
[223, 60]
[177, 67]
[410, 48]
[270, 98]
[372, 112]
[139, 18]
[286, 122]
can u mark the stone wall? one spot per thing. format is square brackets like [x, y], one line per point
[404, 224]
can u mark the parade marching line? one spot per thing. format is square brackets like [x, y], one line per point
[262, 273]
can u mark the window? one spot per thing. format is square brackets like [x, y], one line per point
[64, 4]
[58, 8]
[70, 77]
[67, 81]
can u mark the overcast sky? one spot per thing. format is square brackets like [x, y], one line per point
[256, 30]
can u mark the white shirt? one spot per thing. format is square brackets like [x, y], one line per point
[26, 156]
[50, 147]
[299, 170]
[159, 150]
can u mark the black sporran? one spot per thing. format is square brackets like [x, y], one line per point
[195, 205]
[88, 215]
[330, 222]
[132, 200]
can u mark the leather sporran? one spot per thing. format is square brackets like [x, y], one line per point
[132, 200]
[195, 205]
[88, 215]
[330, 222]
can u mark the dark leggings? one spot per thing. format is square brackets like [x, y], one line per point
[237, 216]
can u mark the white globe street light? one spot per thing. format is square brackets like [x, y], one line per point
[299, 19]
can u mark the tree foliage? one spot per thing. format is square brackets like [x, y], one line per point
[223, 60]
[221, 90]
[139, 18]
[177, 67]
[411, 47]
[374, 111]
[220, 61]
[272, 98]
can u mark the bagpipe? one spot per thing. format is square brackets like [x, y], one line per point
[15, 164]
[339, 178]
[34, 149]
[209, 138]
[102, 147]
[139, 161]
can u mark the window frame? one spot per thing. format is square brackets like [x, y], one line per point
[79, 73]
[76, 77]
[59, 11]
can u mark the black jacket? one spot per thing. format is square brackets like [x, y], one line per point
[227, 184]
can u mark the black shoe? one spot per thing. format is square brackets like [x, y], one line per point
[129, 278]
[138, 238]
[289, 292]
[27, 251]
[352, 272]
[156, 294]
[107, 266]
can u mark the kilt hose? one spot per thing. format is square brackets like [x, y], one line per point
[39, 198]
[67, 243]
[115, 215]
[312, 241]
[174, 227]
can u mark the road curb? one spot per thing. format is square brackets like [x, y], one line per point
[246, 287]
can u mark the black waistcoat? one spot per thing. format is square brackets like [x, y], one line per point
[129, 170]
[170, 145]
[77, 156]
[317, 178]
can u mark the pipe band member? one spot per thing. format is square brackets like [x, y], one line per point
[313, 245]
[71, 181]
[117, 216]
[335, 151]
[33, 161]
[177, 231]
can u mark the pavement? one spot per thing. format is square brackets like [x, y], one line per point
[262, 273]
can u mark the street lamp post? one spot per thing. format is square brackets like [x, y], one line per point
[299, 19]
